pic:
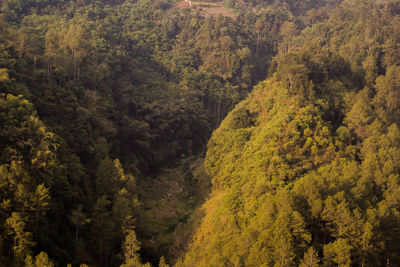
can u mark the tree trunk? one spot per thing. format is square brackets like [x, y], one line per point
[15, 243]
[34, 63]
[73, 54]
[48, 72]
[36, 222]
[76, 236]
[219, 109]
[101, 240]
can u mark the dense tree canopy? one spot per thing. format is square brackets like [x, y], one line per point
[104, 102]
[305, 170]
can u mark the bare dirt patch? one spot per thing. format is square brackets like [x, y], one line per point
[181, 4]
[207, 9]
[215, 11]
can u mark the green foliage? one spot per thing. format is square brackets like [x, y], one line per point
[101, 99]
[387, 98]
[309, 180]
[131, 247]
[41, 260]
[94, 73]
[310, 258]
[4, 75]
[22, 240]
[242, 119]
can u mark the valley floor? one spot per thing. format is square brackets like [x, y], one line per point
[170, 209]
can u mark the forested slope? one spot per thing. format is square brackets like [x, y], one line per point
[305, 171]
[106, 108]
[98, 97]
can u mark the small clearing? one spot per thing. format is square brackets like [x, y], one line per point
[207, 9]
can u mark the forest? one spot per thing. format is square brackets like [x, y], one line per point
[141, 133]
